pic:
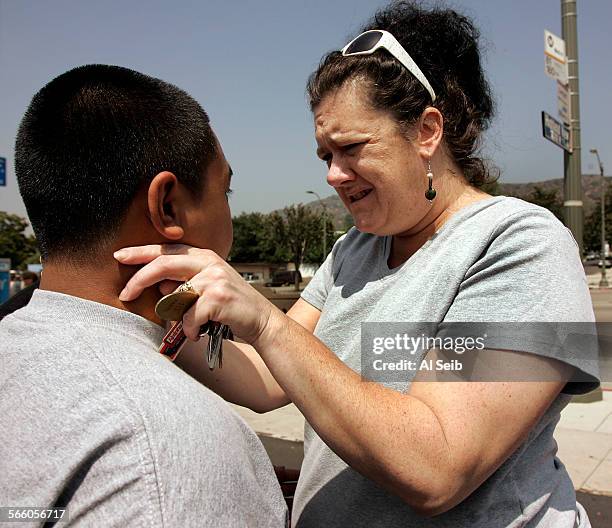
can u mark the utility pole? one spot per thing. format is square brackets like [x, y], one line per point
[572, 170]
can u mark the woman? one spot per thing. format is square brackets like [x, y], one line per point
[398, 116]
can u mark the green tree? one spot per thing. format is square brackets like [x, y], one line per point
[253, 239]
[547, 199]
[314, 253]
[295, 231]
[592, 223]
[14, 243]
[293, 235]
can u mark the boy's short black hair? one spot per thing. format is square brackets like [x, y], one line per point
[90, 139]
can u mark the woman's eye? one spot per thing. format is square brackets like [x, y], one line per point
[229, 192]
[348, 149]
[351, 146]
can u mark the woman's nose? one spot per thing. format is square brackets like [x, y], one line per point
[338, 173]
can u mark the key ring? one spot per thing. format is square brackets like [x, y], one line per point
[171, 308]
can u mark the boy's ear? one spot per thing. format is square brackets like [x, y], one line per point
[163, 202]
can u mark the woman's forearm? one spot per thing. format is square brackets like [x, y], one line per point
[398, 447]
[243, 379]
[387, 436]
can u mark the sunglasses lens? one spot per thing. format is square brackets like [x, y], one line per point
[364, 42]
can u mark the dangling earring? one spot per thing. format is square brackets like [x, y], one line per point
[430, 193]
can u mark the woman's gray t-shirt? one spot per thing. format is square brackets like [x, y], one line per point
[500, 259]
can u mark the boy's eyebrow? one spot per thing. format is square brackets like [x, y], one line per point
[230, 172]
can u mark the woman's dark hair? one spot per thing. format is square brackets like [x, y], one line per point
[444, 44]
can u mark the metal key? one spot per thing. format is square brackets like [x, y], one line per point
[217, 332]
[215, 345]
[175, 339]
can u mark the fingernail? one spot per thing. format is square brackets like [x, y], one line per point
[121, 254]
[123, 296]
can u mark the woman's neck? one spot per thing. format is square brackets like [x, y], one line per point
[404, 245]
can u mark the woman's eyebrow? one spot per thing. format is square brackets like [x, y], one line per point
[334, 140]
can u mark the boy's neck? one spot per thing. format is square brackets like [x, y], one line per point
[100, 283]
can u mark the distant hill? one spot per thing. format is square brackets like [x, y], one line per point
[335, 210]
[590, 187]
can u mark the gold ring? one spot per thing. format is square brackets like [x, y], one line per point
[186, 287]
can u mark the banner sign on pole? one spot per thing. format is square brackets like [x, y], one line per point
[556, 132]
[5, 279]
[2, 171]
[555, 60]
[563, 102]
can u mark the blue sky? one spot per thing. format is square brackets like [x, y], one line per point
[247, 63]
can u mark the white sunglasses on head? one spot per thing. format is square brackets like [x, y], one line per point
[368, 42]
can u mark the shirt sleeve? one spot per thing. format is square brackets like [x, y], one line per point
[318, 288]
[528, 293]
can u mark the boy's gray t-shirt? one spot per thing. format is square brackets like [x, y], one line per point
[500, 259]
[93, 418]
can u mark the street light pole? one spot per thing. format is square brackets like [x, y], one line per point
[324, 223]
[603, 283]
